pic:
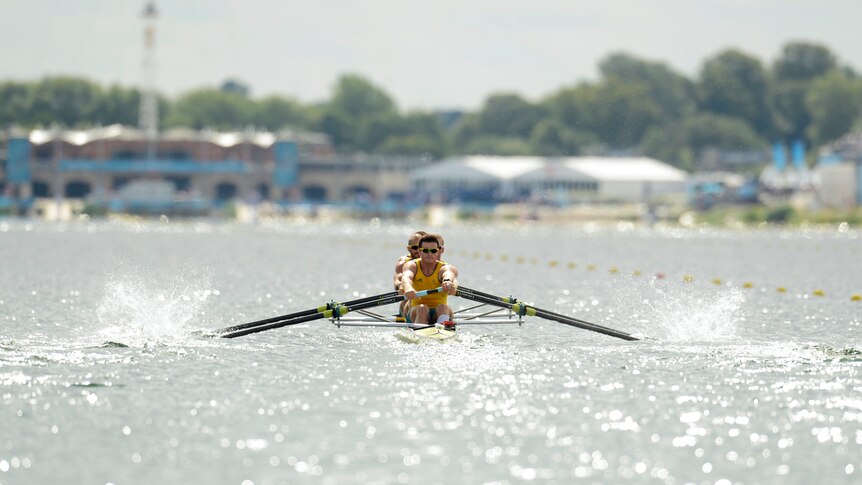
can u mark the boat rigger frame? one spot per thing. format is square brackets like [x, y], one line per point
[465, 316]
[506, 310]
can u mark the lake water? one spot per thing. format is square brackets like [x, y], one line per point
[105, 379]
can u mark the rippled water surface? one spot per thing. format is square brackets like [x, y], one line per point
[750, 374]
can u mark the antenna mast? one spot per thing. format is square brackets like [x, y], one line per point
[148, 115]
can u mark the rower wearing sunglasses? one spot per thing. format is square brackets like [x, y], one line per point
[412, 253]
[427, 273]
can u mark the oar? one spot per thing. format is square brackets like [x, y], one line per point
[505, 299]
[338, 310]
[303, 313]
[522, 309]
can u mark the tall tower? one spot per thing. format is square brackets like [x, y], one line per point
[148, 114]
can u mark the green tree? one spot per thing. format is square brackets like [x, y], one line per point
[415, 145]
[735, 84]
[681, 143]
[834, 104]
[118, 105]
[507, 115]
[799, 64]
[67, 101]
[359, 111]
[790, 114]
[339, 128]
[211, 108]
[357, 98]
[498, 145]
[551, 137]
[671, 92]
[803, 61]
[15, 104]
[623, 112]
[375, 130]
[463, 131]
[618, 112]
[572, 106]
[277, 112]
[415, 133]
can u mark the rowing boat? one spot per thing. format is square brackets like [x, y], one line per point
[488, 309]
[481, 314]
[416, 335]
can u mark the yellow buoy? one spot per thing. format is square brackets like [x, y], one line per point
[716, 281]
[553, 263]
[504, 257]
[572, 265]
[781, 289]
[748, 284]
[856, 297]
[614, 270]
[688, 278]
[636, 272]
[519, 260]
[819, 292]
[591, 267]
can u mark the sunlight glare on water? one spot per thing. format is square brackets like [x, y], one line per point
[105, 377]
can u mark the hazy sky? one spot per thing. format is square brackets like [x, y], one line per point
[432, 54]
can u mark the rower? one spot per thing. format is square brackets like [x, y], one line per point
[426, 273]
[412, 253]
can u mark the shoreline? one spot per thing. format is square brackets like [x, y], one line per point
[638, 214]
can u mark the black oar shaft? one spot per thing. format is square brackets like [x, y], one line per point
[584, 325]
[530, 310]
[486, 295]
[338, 311]
[511, 300]
[335, 312]
[269, 326]
[291, 316]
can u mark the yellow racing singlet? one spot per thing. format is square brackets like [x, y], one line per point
[421, 282]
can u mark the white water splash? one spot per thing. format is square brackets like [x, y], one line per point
[683, 313]
[138, 311]
[690, 317]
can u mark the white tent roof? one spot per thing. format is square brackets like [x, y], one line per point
[479, 168]
[575, 169]
[558, 170]
[626, 169]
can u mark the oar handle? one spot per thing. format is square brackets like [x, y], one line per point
[422, 293]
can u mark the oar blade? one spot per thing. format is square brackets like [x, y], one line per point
[539, 312]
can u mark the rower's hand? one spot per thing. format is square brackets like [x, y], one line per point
[410, 294]
[449, 287]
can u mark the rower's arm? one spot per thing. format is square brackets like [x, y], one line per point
[408, 271]
[399, 268]
[452, 268]
[449, 279]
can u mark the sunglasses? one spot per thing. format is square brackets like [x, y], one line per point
[429, 250]
[414, 247]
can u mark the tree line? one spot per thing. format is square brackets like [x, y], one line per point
[735, 103]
